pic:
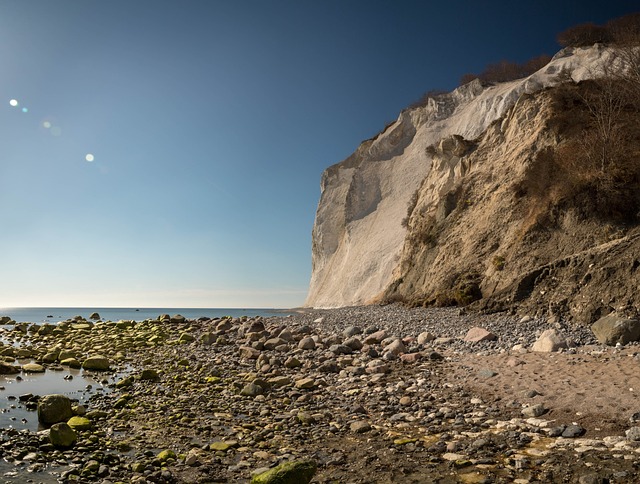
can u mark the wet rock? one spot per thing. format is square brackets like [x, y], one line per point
[79, 423]
[96, 363]
[62, 436]
[8, 369]
[149, 374]
[54, 408]
[33, 368]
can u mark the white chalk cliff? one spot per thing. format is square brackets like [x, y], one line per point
[358, 236]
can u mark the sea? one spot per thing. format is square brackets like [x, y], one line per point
[54, 315]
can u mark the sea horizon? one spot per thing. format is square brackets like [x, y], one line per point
[52, 314]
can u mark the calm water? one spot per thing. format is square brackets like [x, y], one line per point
[53, 315]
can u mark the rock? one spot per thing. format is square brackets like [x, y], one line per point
[249, 353]
[177, 318]
[396, 347]
[186, 338]
[351, 331]
[613, 329]
[62, 436]
[273, 343]
[477, 334]
[425, 337]
[296, 472]
[71, 363]
[79, 423]
[411, 357]
[486, 373]
[340, 349]
[53, 409]
[292, 362]
[549, 341]
[307, 344]
[223, 446]
[573, 431]
[251, 390]
[149, 374]
[375, 338]
[33, 368]
[354, 343]
[305, 383]
[8, 369]
[533, 410]
[360, 427]
[94, 316]
[166, 454]
[633, 434]
[97, 363]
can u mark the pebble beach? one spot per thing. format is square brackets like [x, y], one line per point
[360, 395]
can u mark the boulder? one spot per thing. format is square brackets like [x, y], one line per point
[477, 334]
[613, 329]
[94, 316]
[53, 409]
[295, 472]
[96, 362]
[549, 341]
[62, 436]
[425, 337]
[33, 368]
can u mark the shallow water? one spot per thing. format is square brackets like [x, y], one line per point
[79, 385]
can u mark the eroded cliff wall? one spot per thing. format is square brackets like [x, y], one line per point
[463, 152]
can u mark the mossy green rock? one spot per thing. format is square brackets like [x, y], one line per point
[167, 454]
[62, 436]
[186, 338]
[296, 472]
[79, 423]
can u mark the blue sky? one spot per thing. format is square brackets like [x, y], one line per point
[210, 123]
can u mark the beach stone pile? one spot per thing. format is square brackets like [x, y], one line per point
[357, 395]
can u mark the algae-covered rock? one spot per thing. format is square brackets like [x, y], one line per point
[296, 472]
[79, 423]
[62, 436]
[96, 362]
[167, 454]
[53, 409]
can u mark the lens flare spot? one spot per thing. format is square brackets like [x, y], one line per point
[89, 157]
[46, 124]
[25, 110]
[13, 102]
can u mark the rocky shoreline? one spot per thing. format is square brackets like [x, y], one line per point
[368, 394]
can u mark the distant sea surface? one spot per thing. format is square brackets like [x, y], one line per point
[54, 315]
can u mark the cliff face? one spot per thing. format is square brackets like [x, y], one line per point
[449, 203]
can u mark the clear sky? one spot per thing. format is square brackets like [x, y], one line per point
[208, 124]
